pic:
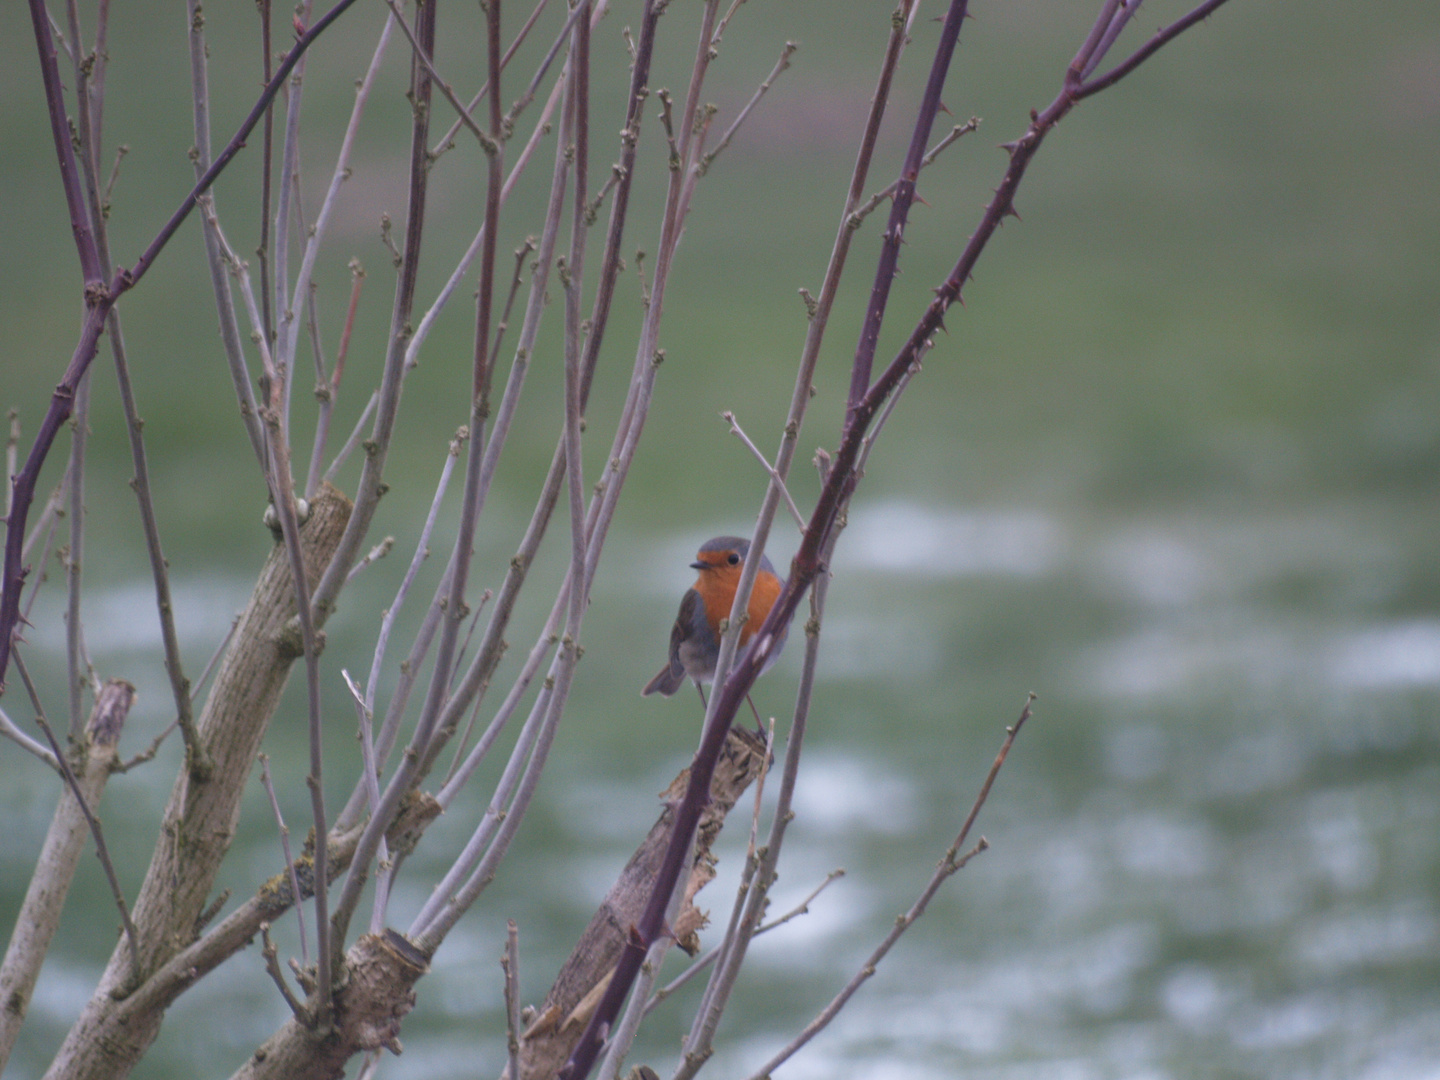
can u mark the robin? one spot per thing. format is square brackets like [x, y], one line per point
[695, 637]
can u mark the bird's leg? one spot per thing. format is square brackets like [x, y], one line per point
[759, 724]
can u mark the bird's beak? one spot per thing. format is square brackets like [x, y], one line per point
[699, 566]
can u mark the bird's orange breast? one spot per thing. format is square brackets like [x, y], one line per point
[762, 599]
[717, 589]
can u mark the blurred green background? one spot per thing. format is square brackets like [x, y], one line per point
[1173, 467]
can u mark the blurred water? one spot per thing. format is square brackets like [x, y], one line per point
[1216, 845]
[1173, 469]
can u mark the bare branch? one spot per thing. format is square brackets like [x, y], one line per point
[949, 864]
[510, 964]
[271, 956]
[379, 551]
[780, 65]
[900, 206]
[446, 141]
[1162, 37]
[289, 864]
[121, 708]
[870, 205]
[739, 432]
[710, 955]
[327, 391]
[12, 732]
[487, 143]
[356, 434]
[39, 916]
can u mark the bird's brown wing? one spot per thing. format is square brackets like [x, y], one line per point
[672, 676]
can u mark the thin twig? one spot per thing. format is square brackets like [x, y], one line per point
[950, 863]
[269, 787]
[286, 219]
[148, 754]
[357, 433]
[371, 782]
[51, 528]
[209, 668]
[315, 234]
[75, 556]
[870, 204]
[9, 729]
[267, 171]
[780, 65]
[486, 142]
[447, 140]
[12, 451]
[510, 964]
[710, 955]
[371, 484]
[379, 551]
[565, 32]
[739, 432]
[230, 338]
[44, 524]
[283, 500]
[180, 689]
[120, 153]
[326, 391]
[410, 670]
[271, 956]
[96, 830]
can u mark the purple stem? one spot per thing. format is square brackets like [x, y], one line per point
[100, 296]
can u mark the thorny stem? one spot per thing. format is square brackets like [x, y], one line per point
[900, 206]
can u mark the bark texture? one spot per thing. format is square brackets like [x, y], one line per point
[200, 819]
[547, 1042]
[380, 973]
[45, 898]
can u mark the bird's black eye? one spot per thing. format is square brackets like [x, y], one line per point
[733, 558]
